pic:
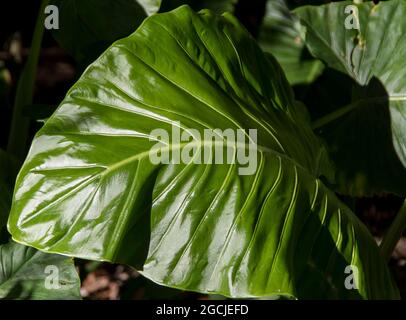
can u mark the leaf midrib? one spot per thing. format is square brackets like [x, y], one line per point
[144, 154]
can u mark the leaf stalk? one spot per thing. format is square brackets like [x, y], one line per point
[394, 233]
[25, 90]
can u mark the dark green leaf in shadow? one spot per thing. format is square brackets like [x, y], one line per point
[367, 139]
[88, 27]
[218, 6]
[26, 273]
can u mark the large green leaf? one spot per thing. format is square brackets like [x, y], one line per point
[368, 142]
[26, 273]
[88, 188]
[280, 35]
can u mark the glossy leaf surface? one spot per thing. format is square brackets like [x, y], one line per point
[368, 142]
[88, 188]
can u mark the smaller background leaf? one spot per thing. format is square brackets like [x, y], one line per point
[280, 36]
[150, 6]
[23, 274]
[366, 79]
[84, 32]
[22, 268]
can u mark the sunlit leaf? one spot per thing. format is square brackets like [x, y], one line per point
[89, 189]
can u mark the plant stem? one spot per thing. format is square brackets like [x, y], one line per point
[394, 233]
[333, 115]
[347, 108]
[25, 89]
